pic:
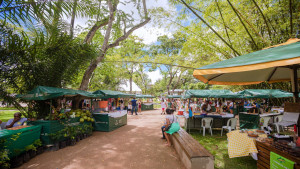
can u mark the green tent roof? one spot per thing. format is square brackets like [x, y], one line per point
[45, 92]
[174, 96]
[211, 94]
[113, 94]
[261, 56]
[265, 93]
[144, 96]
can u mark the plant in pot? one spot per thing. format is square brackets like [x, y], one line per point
[31, 150]
[4, 159]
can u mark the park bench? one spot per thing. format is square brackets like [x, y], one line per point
[192, 154]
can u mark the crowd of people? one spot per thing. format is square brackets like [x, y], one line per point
[204, 106]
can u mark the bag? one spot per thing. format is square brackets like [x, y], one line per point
[174, 127]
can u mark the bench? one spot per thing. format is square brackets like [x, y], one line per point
[192, 154]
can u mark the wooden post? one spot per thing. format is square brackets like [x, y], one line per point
[294, 81]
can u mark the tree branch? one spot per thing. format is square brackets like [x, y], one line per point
[120, 39]
[94, 29]
[210, 27]
[243, 24]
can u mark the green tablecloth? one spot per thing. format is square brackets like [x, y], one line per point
[147, 107]
[16, 140]
[249, 121]
[105, 122]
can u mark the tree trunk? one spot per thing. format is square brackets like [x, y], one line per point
[73, 18]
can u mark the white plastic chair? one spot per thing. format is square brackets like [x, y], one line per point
[231, 125]
[278, 119]
[288, 119]
[206, 123]
[266, 122]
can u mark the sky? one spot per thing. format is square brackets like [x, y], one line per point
[148, 33]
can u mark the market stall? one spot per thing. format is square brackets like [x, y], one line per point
[109, 112]
[59, 122]
[147, 102]
[15, 140]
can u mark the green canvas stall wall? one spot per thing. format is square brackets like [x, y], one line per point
[52, 126]
[147, 107]
[249, 121]
[103, 122]
[16, 140]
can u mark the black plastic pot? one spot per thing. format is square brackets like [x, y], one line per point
[62, 144]
[73, 142]
[85, 135]
[40, 150]
[26, 157]
[77, 138]
[2, 166]
[55, 147]
[68, 142]
[32, 153]
[17, 161]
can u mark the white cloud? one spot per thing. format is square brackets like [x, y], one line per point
[126, 87]
[150, 34]
[154, 76]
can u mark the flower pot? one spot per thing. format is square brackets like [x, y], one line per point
[26, 157]
[68, 141]
[73, 142]
[32, 153]
[17, 161]
[55, 147]
[77, 138]
[40, 150]
[81, 136]
[62, 144]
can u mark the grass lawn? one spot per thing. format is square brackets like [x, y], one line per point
[7, 108]
[5, 115]
[217, 146]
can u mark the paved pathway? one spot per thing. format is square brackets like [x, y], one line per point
[138, 145]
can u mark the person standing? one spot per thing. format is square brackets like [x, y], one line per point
[140, 106]
[163, 106]
[134, 107]
[126, 103]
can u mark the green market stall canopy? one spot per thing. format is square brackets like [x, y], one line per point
[272, 65]
[265, 93]
[112, 94]
[45, 92]
[144, 96]
[211, 94]
[174, 96]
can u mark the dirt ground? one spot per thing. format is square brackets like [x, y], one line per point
[138, 145]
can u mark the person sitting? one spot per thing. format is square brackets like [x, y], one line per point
[205, 108]
[16, 121]
[170, 118]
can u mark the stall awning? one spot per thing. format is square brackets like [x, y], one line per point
[211, 94]
[144, 96]
[174, 96]
[46, 92]
[265, 93]
[113, 94]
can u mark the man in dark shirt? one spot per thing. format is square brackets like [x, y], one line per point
[133, 103]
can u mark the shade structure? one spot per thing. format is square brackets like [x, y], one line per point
[265, 93]
[113, 94]
[174, 96]
[211, 94]
[46, 92]
[144, 96]
[274, 64]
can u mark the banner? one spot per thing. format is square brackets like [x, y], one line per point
[279, 162]
[248, 121]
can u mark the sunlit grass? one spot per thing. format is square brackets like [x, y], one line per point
[217, 146]
[5, 115]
